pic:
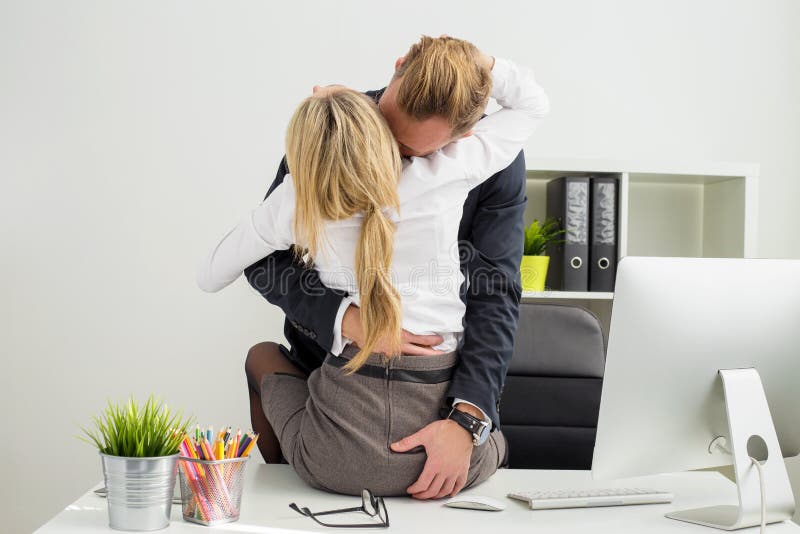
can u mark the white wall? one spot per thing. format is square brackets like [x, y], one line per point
[132, 134]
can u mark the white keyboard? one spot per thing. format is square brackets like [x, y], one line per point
[587, 498]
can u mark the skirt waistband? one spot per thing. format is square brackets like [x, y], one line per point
[404, 368]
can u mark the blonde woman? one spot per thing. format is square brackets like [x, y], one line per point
[383, 230]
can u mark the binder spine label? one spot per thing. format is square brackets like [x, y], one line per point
[605, 214]
[577, 220]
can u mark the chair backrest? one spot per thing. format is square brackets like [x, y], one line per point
[551, 398]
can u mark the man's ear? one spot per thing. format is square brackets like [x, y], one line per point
[399, 62]
[467, 134]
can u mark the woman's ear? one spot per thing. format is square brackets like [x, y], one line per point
[399, 62]
[467, 134]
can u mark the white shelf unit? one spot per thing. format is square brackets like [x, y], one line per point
[702, 209]
[570, 295]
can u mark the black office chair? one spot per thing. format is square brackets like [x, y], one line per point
[551, 399]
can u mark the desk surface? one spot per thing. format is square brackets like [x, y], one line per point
[270, 488]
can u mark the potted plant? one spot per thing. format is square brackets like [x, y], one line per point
[533, 269]
[138, 448]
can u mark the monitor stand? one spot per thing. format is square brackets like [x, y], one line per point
[751, 434]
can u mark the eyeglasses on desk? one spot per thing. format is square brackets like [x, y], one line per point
[371, 505]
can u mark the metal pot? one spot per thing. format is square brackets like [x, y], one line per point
[139, 491]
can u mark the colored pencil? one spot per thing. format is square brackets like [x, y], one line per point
[250, 446]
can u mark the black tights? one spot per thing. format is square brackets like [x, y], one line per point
[265, 359]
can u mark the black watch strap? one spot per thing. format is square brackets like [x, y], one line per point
[471, 424]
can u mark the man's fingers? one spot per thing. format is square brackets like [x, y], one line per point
[433, 489]
[424, 480]
[426, 340]
[409, 442]
[417, 350]
[417, 345]
[460, 482]
[447, 487]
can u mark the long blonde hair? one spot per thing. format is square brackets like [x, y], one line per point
[344, 161]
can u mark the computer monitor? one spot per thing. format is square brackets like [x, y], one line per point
[665, 405]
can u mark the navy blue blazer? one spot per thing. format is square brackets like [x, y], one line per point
[491, 237]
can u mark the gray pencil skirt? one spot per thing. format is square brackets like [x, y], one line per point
[336, 430]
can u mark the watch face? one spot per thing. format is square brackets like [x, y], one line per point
[483, 434]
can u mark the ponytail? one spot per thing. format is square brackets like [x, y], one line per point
[379, 300]
[345, 162]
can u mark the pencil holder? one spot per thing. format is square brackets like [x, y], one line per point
[211, 490]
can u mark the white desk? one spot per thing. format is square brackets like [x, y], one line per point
[270, 488]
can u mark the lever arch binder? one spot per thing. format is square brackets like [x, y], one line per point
[568, 201]
[603, 242]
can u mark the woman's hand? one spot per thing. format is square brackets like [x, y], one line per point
[411, 344]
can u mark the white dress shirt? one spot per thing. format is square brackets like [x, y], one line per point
[432, 189]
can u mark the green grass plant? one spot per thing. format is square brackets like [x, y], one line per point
[130, 430]
[539, 236]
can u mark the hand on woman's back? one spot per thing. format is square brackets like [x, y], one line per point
[411, 344]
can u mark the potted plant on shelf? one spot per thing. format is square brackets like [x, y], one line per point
[533, 269]
[138, 448]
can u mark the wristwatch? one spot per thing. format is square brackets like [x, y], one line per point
[479, 429]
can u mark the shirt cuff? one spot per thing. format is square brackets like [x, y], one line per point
[486, 418]
[339, 341]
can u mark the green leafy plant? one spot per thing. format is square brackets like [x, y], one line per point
[539, 236]
[127, 429]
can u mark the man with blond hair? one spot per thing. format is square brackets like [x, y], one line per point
[434, 98]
